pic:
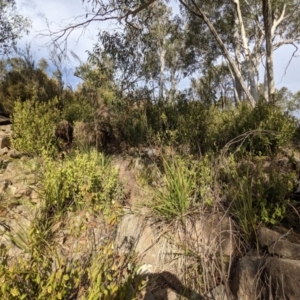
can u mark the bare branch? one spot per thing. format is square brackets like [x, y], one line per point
[293, 55]
[98, 16]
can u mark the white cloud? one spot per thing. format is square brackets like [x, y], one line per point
[55, 15]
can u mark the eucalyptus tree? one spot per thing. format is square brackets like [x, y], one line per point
[12, 25]
[244, 32]
[150, 54]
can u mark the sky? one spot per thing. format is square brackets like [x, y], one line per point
[58, 13]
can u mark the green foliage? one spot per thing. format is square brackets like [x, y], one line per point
[259, 192]
[274, 128]
[104, 275]
[88, 182]
[112, 276]
[76, 109]
[12, 26]
[205, 180]
[22, 81]
[80, 180]
[33, 126]
[39, 277]
[206, 129]
[134, 126]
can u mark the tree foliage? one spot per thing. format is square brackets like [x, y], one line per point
[239, 31]
[21, 80]
[12, 25]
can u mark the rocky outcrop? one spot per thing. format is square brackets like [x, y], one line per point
[275, 275]
[163, 249]
[5, 133]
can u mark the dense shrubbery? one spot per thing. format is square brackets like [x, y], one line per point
[210, 129]
[258, 191]
[33, 126]
[66, 186]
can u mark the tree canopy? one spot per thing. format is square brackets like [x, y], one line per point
[154, 45]
[12, 25]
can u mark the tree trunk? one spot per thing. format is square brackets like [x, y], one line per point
[267, 15]
[162, 73]
[251, 70]
[236, 71]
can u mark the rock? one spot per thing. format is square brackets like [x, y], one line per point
[283, 276]
[4, 151]
[34, 196]
[266, 237]
[218, 293]
[11, 190]
[31, 179]
[64, 130]
[14, 154]
[285, 249]
[3, 164]
[4, 142]
[22, 191]
[211, 233]
[135, 233]
[278, 244]
[4, 185]
[247, 283]
[166, 278]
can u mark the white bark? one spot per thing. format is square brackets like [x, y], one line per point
[237, 51]
[250, 64]
[162, 73]
[267, 15]
[225, 51]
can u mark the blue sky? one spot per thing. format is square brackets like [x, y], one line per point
[59, 13]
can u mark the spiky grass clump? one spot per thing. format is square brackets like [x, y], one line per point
[177, 195]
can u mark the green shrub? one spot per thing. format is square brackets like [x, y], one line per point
[103, 274]
[38, 277]
[257, 194]
[33, 126]
[274, 128]
[112, 275]
[77, 109]
[80, 180]
[206, 129]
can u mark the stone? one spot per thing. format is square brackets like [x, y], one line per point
[266, 237]
[285, 249]
[4, 142]
[4, 185]
[14, 154]
[64, 130]
[12, 190]
[3, 164]
[135, 233]
[218, 293]
[34, 196]
[23, 191]
[4, 151]
[283, 277]
[247, 283]
[211, 233]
